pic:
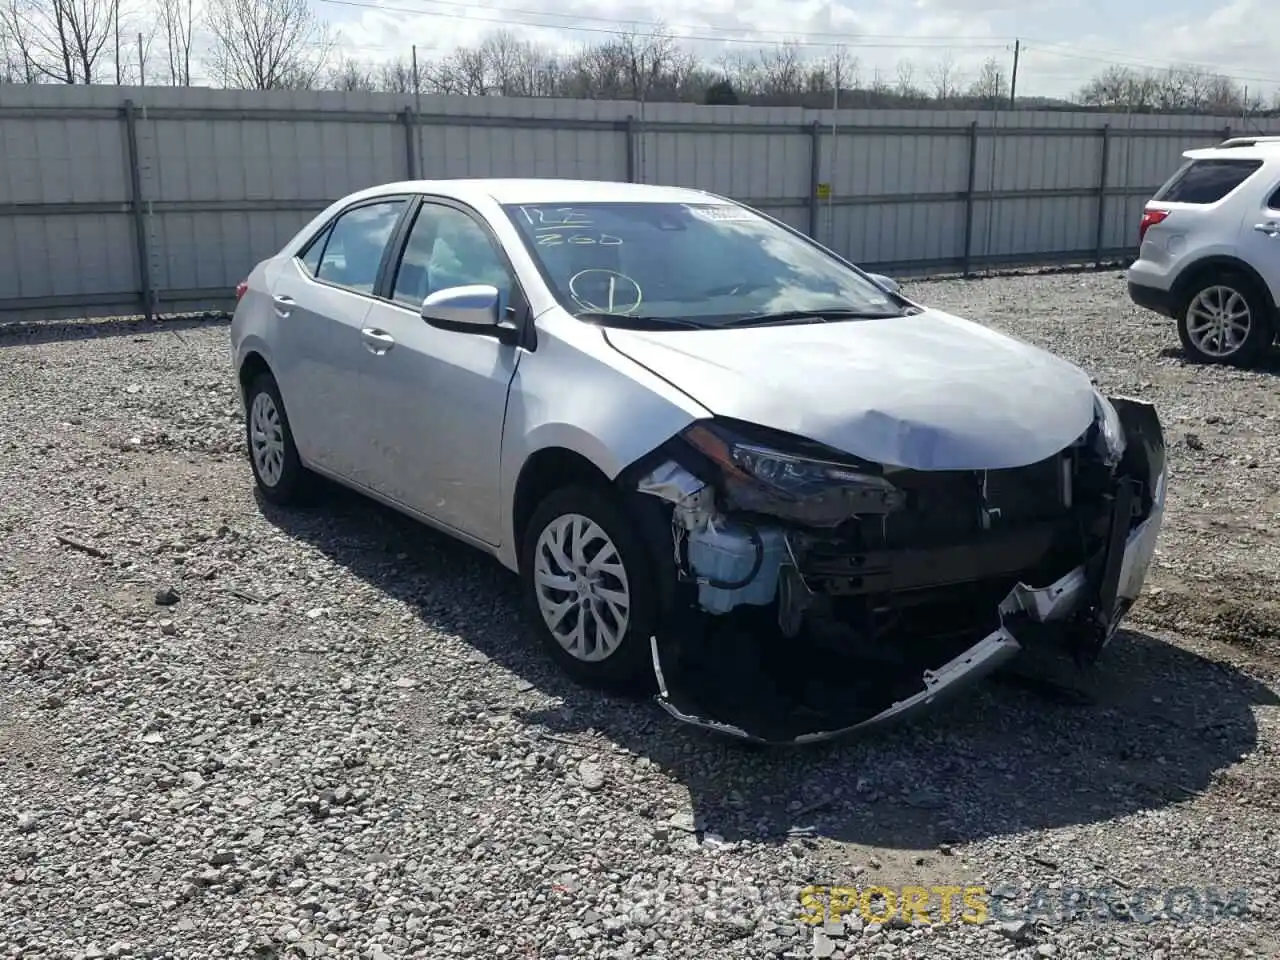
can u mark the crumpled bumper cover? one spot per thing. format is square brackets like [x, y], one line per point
[1108, 582]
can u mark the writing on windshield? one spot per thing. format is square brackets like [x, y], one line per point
[553, 226]
[711, 263]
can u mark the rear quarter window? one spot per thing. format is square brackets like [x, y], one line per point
[1206, 181]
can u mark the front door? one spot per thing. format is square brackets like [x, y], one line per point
[441, 395]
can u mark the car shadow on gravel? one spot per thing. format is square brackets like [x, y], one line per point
[1039, 747]
[1269, 363]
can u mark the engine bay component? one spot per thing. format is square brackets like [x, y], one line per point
[922, 586]
[735, 565]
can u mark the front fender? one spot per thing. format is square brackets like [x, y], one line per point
[576, 393]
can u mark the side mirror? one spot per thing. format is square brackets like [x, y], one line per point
[887, 283]
[475, 306]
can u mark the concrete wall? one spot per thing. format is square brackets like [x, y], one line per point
[108, 193]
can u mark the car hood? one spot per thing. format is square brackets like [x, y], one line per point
[929, 391]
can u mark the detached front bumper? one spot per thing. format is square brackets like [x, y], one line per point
[1087, 603]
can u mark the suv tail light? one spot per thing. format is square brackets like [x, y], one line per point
[1150, 217]
[241, 287]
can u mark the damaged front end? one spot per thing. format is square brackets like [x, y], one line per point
[826, 594]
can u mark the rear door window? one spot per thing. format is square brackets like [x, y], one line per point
[1206, 181]
[356, 243]
[315, 250]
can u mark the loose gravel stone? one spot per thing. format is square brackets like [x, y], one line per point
[232, 730]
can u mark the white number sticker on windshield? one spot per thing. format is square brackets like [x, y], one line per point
[722, 213]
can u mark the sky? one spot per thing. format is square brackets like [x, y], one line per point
[1064, 42]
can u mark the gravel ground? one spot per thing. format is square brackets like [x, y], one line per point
[228, 730]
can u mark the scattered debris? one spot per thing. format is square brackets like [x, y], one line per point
[83, 547]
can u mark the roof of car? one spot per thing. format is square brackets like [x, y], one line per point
[539, 190]
[1243, 148]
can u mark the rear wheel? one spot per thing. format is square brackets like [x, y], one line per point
[589, 588]
[273, 456]
[1225, 318]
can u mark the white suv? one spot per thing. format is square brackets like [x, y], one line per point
[1209, 251]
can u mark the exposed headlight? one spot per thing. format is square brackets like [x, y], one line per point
[1110, 430]
[800, 486]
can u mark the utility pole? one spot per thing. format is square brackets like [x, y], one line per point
[142, 74]
[416, 88]
[115, 15]
[1013, 79]
[835, 151]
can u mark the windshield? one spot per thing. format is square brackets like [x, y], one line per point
[711, 264]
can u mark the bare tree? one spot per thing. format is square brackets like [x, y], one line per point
[64, 40]
[944, 79]
[823, 77]
[991, 86]
[17, 63]
[463, 71]
[689, 77]
[260, 44]
[1119, 87]
[646, 57]
[176, 20]
[351, 75]
[137, 64]
[506, 61]
[267, 44]
[780, 74]
[396, 76]
[906, 88]
[880, 86]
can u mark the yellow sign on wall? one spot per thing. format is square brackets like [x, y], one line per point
[824, 191]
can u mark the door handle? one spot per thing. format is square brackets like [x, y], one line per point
[377, 341]
[283, 305]
[1271, 229]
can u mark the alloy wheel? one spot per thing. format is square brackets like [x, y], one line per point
[1218, 321]
[582, 588]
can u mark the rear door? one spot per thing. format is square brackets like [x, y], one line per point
[321, 299]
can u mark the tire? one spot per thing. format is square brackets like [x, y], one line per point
[1210, 302]
[273, 457]
[627, 666]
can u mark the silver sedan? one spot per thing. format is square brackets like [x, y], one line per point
[729, 466]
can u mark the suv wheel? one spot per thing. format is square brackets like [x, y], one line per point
[1225, 319]
[589, 586]
[277, 470]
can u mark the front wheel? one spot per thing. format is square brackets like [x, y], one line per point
[1226, 319]
[590, 590]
